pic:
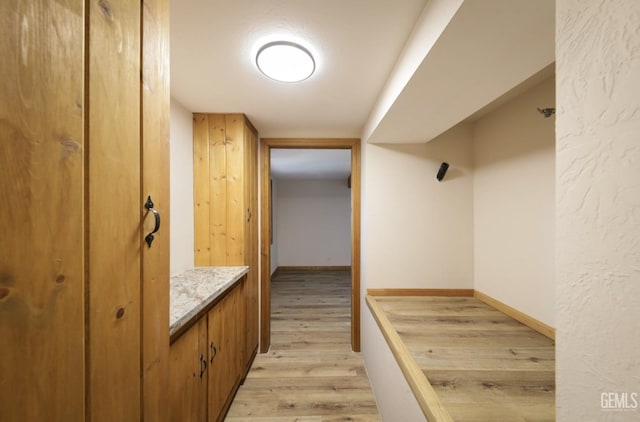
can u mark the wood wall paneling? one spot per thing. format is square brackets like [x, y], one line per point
[155, 182]
[225, 179]
[73, 136]
[201, 189]
[114, 211]
[236, 186]
[41, 218]
[217, 184]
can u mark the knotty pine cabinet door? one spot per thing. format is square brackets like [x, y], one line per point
[206, 362]
[83, 141]
[226, 345]
[188, 372]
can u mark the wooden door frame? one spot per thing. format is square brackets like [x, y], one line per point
[266, 145]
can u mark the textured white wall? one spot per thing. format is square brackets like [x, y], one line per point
[181, 171]
[419, 232]
[514, 203]
[313, 223]
[598, 206]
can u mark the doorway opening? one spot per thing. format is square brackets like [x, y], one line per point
[266, 145]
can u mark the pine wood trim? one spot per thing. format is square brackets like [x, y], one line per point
[265, 247]
[421, 292]
[423, 391]
[355, 244]
[265, 212]
[312, 268]
[527, 320]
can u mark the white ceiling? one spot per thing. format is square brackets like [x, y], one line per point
[355, 43]
[388, 71]
[310, 163]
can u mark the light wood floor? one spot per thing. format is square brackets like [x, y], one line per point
[310, 373]
[484, 365]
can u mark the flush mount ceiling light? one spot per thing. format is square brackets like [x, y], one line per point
[285, 61]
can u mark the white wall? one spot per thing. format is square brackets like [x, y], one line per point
[395, 400]
[598, 207]
[514, 204]
[419, 232]
[274, 218]
[313, 222]
[416, 233]
[181, 169]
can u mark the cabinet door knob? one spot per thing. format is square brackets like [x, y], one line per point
[214, 351]
[203, 365]
[149, 206]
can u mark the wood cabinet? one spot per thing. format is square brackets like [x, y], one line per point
[206, 363]
[187, 374]
[226, 205]
[84, 118]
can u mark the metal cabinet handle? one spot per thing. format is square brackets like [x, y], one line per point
[149, 206]
[203, 365]
[214, 351]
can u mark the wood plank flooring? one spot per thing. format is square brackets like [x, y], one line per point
[484, 365]
[310, 373]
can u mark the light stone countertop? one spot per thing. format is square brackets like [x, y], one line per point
[193, 290]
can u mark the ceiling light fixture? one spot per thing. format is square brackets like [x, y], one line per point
[285, 61]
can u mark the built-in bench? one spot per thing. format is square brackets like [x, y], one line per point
[467, 356]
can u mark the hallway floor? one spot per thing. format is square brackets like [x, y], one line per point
[310, 373]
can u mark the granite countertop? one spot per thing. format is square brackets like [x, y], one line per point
[193, 290]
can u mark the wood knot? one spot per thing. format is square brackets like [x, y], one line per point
[60, 278]
[106, 8]
[120, 313]
[69, 145]
[4, 292]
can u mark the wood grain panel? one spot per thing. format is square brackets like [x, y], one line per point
[265, 246]
[225, 368]
[355, 245]
[187, 390]
[41, 217]
[217, 183]
[237, 211]
[201, 192]
[421, 292]
[114, 211]
[251, 283]
[482, 364]
[155, 182]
